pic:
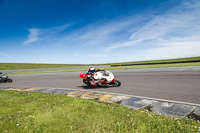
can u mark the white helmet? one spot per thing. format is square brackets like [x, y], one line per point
[91, 69]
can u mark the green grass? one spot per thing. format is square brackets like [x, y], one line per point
[16, 66]
[39, 112]
[155, 66]
[114, 68]
[50, 71]
[159, 61]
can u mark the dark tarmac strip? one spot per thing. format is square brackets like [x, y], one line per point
[176, 84]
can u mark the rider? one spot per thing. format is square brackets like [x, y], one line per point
[92, 70]
[3, 76]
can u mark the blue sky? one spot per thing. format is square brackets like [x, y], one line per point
[98, 31]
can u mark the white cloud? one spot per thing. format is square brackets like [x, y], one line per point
[95, 34]
[102, 33]
[169, 34]
[36, 34]
[175, 34]
[33, 36]
[97, 55]
[182, 24]
[167, 51]
[179, 24]
[123, 44]
[5, 55]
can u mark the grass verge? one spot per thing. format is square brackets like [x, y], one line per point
[17, 66]
[114, 68]
[159, 61]
[156, 66]
[39, 112]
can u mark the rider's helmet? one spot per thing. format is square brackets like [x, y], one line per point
[91, 69]
[106, 73]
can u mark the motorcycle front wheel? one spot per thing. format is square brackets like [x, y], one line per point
[116, 83]
[85, 81]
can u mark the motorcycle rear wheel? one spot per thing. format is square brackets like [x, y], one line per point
[116, 83]
[9, 80]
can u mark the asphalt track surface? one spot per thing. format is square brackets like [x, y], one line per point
[177, 84]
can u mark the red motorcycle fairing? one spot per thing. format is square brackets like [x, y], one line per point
[110, 82]
[83, 76]
[114, 79]
[94, 85]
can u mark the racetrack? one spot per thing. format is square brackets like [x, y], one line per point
[167, 83]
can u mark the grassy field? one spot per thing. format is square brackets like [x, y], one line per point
[39, 112]
[16, 66]
[155, 66]
[159, 61]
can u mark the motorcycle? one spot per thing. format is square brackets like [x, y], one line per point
[101, 78]
[4, 78]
